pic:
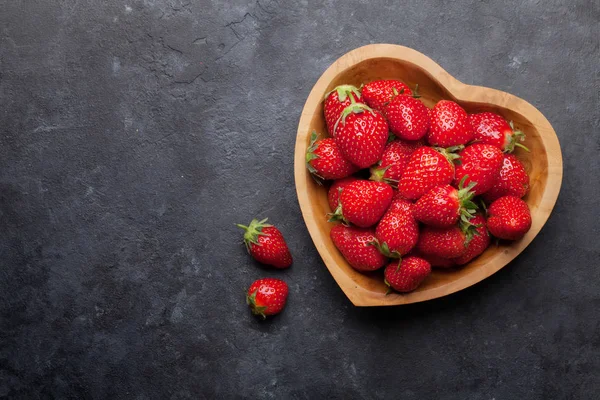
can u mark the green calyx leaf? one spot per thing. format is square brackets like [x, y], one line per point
[354, 108]
[255, 308]
[310, 155]
[253, 231]
[338, 215]
[514, 139]
[343, 91]
[451, 153]
[416, 94]
[385, 250]
[389, 287]
[378, 175]
[469, 230]
[465, 195]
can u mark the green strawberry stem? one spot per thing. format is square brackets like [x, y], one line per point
[450, 153]
[416, 94]
[389, 289]
[465, 195]
[255, 308]
[338, 215]
[343, 91]
[310, 155]
[378, 175]
[385, 250]
[516, 137]
[253, 231]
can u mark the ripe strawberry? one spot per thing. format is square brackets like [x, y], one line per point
[355, 244]
[406, 275]
[509, 218]
[492, 129]
[335, 102]
[324, 159]
[398, 231]
[267, 296]
[479, 163]
[363, 203]
[378, 93]
[450, 125]
[426, 169]
[361, 134]
[479, 242]
[408, 117]
[445, 242]
[333, 195]
[266, 244]
[513, 180]
[393, 160]
[443, 205]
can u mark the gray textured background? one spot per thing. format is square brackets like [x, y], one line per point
[133, 135]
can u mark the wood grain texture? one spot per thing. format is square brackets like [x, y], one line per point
[386, 61]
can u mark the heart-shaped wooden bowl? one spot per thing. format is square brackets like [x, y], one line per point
[385, 61]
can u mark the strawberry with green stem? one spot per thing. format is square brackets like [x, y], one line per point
[324, 160]
[492, 129]
[449, 242]
[479, 242]
[398, 231]
[407, 274]
[427, 168]
[394, 159]
[443, 205]
[363, 203]
[377, 94]
[335, 102]
[361, 134]
[266, 244]
[267, 296]
[355, 244]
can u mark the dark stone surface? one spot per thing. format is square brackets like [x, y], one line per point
[132, 137]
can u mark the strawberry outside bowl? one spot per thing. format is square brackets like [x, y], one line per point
[385, 61]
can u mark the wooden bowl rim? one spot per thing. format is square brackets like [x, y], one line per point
[358, 295]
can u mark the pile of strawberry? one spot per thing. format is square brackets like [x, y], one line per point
[441, 181]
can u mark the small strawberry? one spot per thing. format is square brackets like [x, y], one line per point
[363, 203]
[333, 195]
[426, 169]
[325, 161]
[406, 275]
[398, 231]
[443, 205]
[492, 129]
[393, 160]
[513, 180]
[479, 242]
[509, 218]
[378, 93]
[267, 296]
[266, 244]
[335, 102]
[355, 244]
[361, 134]
[480, 163]
[407, 117]
[449, 242]
[450, 125]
